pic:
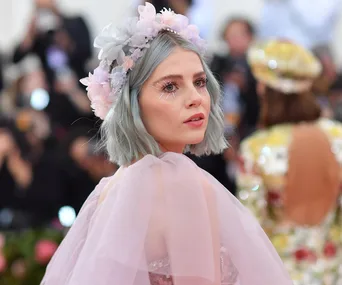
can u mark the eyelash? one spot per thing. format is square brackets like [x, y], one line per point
[203, 84]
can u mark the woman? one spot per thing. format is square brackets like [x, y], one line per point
[290, 172]
[160, 219]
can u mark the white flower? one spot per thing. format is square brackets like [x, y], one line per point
[147, 12]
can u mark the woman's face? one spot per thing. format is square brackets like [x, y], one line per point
[175, 103]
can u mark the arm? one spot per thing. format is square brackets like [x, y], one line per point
[28, 44]
[20, 169]
[79, 99]
[192, 231]
[69, 87]
[190, 220]
[78, 35]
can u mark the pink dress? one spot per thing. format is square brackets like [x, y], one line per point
[164, 221]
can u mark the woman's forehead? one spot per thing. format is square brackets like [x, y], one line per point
[179, 62]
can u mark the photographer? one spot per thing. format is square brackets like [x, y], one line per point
[240, 102]
[59, 41]
[65, 102]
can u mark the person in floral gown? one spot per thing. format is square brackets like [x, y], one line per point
[290, 169]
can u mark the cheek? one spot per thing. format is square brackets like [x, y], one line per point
[156, 116]
[206, 103]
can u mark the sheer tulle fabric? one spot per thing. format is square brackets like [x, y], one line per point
[161, 208]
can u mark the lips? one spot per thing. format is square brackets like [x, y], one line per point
[195, 118]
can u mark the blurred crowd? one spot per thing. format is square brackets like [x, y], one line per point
[48, 134]
[49, 154]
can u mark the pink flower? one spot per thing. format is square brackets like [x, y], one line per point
[180, 23]
[167, 17]
[304, 254]
[18, 268]
[330, 249]
[191, 32]
[100, 75]
[44, 250]
[99, 96]
[98, 88]
[3, 263]
[301, 254]
[128, 63]
[274, 198]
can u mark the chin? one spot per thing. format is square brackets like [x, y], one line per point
[195, 139]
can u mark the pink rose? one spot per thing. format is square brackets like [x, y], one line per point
[44, 250]
[3, 263]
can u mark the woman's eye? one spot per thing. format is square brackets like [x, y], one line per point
[170, 88]
[201, 83]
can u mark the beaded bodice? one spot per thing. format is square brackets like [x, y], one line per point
[160, 271]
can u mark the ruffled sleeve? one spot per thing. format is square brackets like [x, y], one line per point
[168, 208]
[61, 265]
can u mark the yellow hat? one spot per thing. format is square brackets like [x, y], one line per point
[284, 66]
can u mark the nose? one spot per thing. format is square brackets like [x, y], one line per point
[194, 99]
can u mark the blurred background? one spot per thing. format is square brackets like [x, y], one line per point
[49, 162]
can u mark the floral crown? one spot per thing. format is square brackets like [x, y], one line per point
[121, 48]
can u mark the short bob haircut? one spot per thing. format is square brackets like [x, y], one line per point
[279, 108]
[123, 132]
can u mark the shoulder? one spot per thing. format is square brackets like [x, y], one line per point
[95, 195]
[168, 162]
[169, 171]
[331, 127]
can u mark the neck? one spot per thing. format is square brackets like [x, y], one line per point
[164, 148]
[172, 148]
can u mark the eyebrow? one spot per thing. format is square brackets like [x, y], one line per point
[177, 76]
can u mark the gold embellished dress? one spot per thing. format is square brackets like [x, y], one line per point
[311, 254]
